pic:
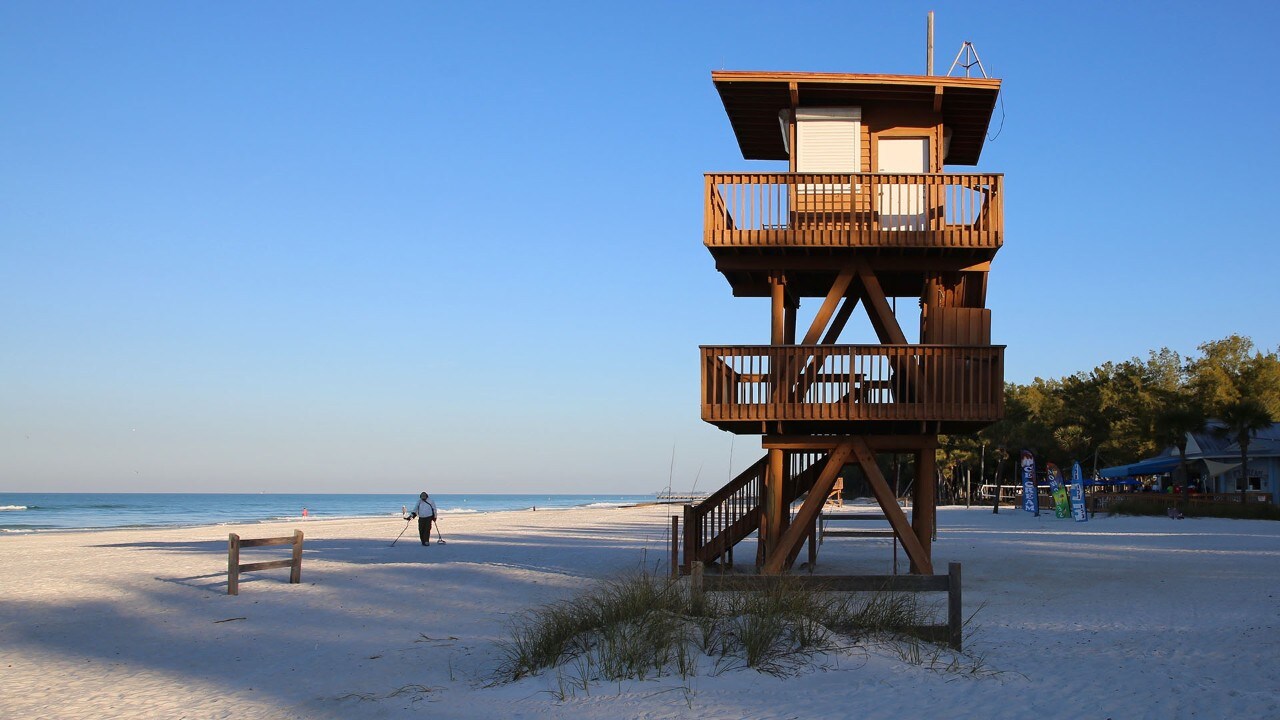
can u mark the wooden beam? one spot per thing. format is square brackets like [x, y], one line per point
[847, 307]
[776, 559]
[920, 562]
[771, 503]
[878, 443]
[778, 323]
[882, 317]
[924, 502]
[937, 98]
[837, 292]
[888, 264]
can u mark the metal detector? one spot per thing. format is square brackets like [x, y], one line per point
[406, 527]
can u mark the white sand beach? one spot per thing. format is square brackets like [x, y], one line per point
[1115, 618]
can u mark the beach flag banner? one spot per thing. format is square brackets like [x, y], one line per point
[1078, 512]
[1030, 497]
[1059, 490]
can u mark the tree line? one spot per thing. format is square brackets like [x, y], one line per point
[1122, 412]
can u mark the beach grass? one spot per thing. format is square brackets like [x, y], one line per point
[645, 624]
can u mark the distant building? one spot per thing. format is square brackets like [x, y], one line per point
[1213, 462]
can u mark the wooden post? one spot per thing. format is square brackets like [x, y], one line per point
[771, 503]
[695, 583]
[233, 564]
[923, 502]
[691, 541]
[955, 618]
[675, 546]
[295, 570]
[929, 63]
[813, 543]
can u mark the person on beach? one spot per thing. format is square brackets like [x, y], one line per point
[425, 511]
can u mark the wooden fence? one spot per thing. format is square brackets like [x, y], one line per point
[950, 634]
[235, 567]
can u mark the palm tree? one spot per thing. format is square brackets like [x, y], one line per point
[1172, 426]
[1242, 419]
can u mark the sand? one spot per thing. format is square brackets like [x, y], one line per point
[1114, 618]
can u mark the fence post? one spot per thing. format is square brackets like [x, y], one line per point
[233, 564]
[690, 542]
[295, 570]
[695, 583]
[675, 546]
[955, 615]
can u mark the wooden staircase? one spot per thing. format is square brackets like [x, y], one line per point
[731, 514]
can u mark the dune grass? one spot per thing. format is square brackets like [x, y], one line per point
[646, 625]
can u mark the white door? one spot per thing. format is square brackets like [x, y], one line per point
[902, 205]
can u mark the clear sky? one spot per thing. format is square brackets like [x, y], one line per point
[344, 247]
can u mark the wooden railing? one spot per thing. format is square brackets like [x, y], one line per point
[950, 633]
[1101, 502]
[715, 525]
[852, 382]
[937, 210]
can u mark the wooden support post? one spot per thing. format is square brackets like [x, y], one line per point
[924, 501]
[813, 543]
[771, 503]
[695, 583]
[955, 614]
[778, 305]
[776, 561]
[675, 546]
[691, 540]
[233, 564]
[295, 570]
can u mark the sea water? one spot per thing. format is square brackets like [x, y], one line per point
[36, 512]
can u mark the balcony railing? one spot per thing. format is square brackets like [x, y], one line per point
[941, 210]
[767, 383]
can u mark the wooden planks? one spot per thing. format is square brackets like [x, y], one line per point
[234, 567]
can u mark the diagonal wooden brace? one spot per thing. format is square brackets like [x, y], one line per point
[799, 528]
[889, 504]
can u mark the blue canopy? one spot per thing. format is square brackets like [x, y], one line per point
[1153, 466]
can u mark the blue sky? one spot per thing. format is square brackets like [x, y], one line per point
[336, 247]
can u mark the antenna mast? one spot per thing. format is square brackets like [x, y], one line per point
[970, 54]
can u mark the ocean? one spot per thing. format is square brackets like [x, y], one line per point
[46, 512]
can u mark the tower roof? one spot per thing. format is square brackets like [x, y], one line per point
[753, 100]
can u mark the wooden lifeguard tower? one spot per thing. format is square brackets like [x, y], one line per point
[866, 215]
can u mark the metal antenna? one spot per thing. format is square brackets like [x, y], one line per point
[970, 54]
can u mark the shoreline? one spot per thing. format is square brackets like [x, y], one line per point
[311, 520]
[42, 518]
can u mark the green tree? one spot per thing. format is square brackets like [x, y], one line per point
[1242, 419]
[1172, 425]
[1231, 369]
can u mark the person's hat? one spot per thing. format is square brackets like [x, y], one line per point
[423, 496]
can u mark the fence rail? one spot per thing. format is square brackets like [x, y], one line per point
[852, 382]
[951, 633]
[235, 567]
[947, 210]
[1101, 502]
